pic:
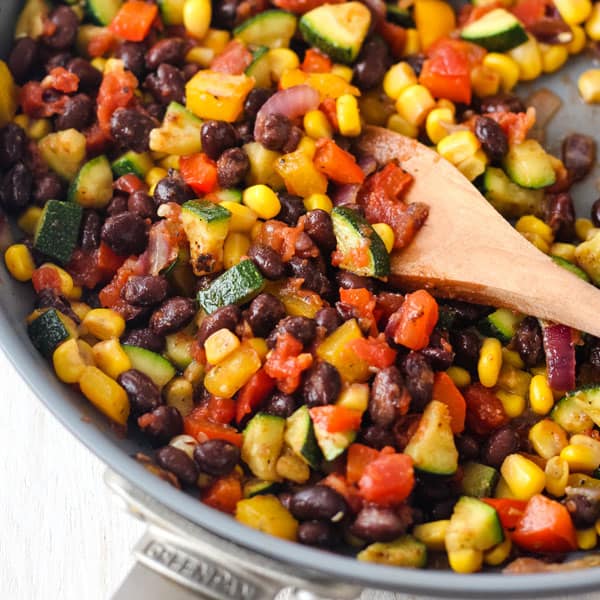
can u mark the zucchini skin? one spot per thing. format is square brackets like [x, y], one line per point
[58, 230]
[47, 332]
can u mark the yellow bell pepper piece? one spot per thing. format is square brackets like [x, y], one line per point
[266, 513]
[328, 85]
[300, 175]
[434, 19]
[226, 378]
[8, 95]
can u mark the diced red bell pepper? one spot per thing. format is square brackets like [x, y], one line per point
[388, 480]
[412, 324]
[337, 164]
[253, 393]
[357, 459]
[220, 410]
[445, 390]
[375, 351]
[224, 494]
[199, 172]
[316, 62]
[509, 511]
[336, 419]
[129, 183]
[134, 20]
[202, 428]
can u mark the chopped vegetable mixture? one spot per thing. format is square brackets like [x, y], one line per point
[210, 256]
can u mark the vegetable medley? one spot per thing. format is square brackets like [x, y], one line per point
[210, 256]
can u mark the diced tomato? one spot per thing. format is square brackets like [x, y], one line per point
[546, 526]
[337, 164]
[45, 278]
[301, 6]
[387, 480]
[316, 62]
[224, 494]
[357, 458]
[412, 324]
[234, 59]
[96, 140]
[530, 12]
[253, 393]
[220, 410]
[484, 410]
[286, 362]
[31, 99]
[116, 91]
[445, 390]
[199, 172]
[204, 429]
[61, 80]
[129, 183]
[375, 351]
[515, 125]
[336, 419]
[111, 294]
[394, 35]
[134, 20]
[509, 511]
[103, 42]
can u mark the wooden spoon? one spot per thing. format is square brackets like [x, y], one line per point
[467, 250]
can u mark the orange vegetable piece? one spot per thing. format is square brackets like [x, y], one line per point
[224, 494]
[337, 164]
[445, 390]
[134, 20]
[412, 324]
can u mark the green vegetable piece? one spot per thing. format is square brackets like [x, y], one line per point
[300, 436]
[496, 31]
[58, 230]
[48, 331]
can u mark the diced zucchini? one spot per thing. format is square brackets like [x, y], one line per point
[578, 410]
[474, 525]
[229, 195]
[64, 152]
[403, 552]
[569, 266]
[356, 237]
[399, 16]
[432, 445]
[332, 444]
[206, 226]
[496, 31]
[478, 480]
[529, 166]
[179, 348]
[132, 162]
[271, 28]
[58, 230]
[263, 442]
[48, 331]
[180, 274]
[102, 12]
[588, 257]
[155, 366]
[339, 30]
[508, 198]
[501, 324]
[237, 285]
[260, 67]
[179, 132]
[259, 487]
[92, 187]
[171, 11]
[300, 436]
[30, 21]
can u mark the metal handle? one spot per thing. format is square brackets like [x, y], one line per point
[178, 560]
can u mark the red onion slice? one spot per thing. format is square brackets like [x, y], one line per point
[292, 103]
[161, 252]
[560, 356]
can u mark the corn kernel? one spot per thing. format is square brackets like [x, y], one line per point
[412, 44]
[39, 128]
[19, 262]
[582, 228]
[402, 126]
[68, 362]
[256, 230]
[262, 200]
[282, 60]
[22, 121]
[29, 219]
[566, 251]
[216, 39]
[541, 398]
[589, 86]
[343, 71]
[579, 40]
[414, 104]
[512, 358]
[386, 233]
[592, 233]
[99, 63]
[467, 560]
[499, 553]
[436, 124]
[531, 224]
[585, 440]
[514, 380]
[580, 458]
[103, 323]
[548, 438]
[348, 116]
[196, 17]
[397, 79]
[317, 125]
[185, 443]
[485, 81]
[375, 108]
[538, 241]
[586, 538]
[445, 103]
[490, 362]
[170, 162]
[502, 490]
[220, 345]
[592, 25]
[432, 534]
[474, 166]
[529, 59]
[553, 57]
[557, 476]
[80, 309]
[321, 201]
[200, 56]
[194, 373]
[458, 146]
[513, 404]
[308, 146]
[105, 394]
[242, 219]
[236, 246]
[179, 393]
[524, 478]
[260, 346]
[154, 175]
[506, 67]
[110, 357]
[574, 11]
[460, 376]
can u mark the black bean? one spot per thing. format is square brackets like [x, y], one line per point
[254, 100]
[15, 189]
[292, 208]
[48, 186]
[528, 341]
[226, 317]
[132, 55]
[144, 338]
[61, 59]
[145, 290]
[492, 137]
[293, 140]
[118, 204]
[65, 31]
[143, 393]
[77, 114]
[274, 131]
[23, 58]
[156, 111]
[304, 247]
[443, 510]
[551, 30]
[131, 128]
[467, 446]
[559, 213]
[389, 397]
[141, 204]
[350, 281]
[322, 385]
[302, 328]
[173, 314]
[167, 50]
[48, 298]
[328, 318]
[280, 405]
[377, 437]
[319, 227]
[439, 352]
[217, 136]
[245, 132]
[232, 167]
[584, 510]
[313, 278]
[466, 345]
[418, 378]
[318, 503]
[162, 424]
[377, 524]
[224, 13]
[501, 103]
[166, 85]
[172, 189]
[125, 234]
[499, 445]
[264, 313]
[321, 534]
[90, 231]
[13, 144]
[179, 463]
[415, 61]
[216, 457]
[466, 313]
[371, 64]
[267, 260]
[90, 78]
[579, 155]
